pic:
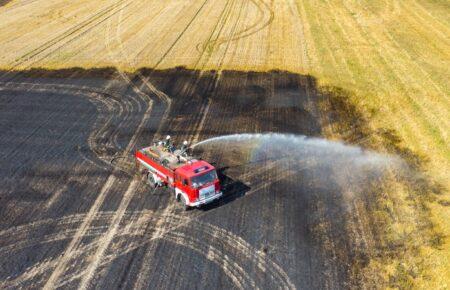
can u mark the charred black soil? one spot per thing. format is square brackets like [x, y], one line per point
[4, 2]
[279, 223]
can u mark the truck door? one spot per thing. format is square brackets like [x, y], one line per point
[182, 183]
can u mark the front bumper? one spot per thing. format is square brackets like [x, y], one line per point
[206, 200]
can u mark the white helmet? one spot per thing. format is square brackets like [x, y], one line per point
[168, 137]
[185, 142]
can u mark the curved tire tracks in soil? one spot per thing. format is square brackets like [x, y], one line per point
[163, 221]
[266, 18]
[230, 254]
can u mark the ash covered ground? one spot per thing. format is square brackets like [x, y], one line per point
[73, 212]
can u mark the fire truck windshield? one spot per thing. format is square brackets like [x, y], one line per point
[203, 179]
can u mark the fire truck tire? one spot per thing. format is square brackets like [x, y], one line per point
[138, 168]
[183, 201]
[150, 180]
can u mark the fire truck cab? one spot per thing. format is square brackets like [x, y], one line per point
[194, 182]
[197, 183]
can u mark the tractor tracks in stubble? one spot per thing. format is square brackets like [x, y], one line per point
[77, 31]
[199, 237]
[77, 239]
[105, 240]
[109, 105]
[109, 100]
[163, 225]
[145, 79]
[201, 63]
[30, 58]
[162, 222]
[265, 18]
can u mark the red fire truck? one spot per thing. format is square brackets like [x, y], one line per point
[193, 181]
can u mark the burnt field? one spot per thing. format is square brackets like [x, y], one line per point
[73, 213]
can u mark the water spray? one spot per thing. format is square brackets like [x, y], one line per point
[330, 163]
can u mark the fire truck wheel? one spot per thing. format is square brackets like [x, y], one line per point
[183, 202]
[137, 168]
[150, 180]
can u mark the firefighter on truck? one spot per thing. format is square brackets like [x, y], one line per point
[194, 182]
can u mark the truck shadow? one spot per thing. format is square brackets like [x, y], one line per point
[232, 189]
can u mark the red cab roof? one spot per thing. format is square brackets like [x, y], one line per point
[194, 168]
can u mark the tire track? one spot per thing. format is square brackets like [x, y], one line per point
[215, 77]
[60, 266]
[111, 101]
[76, 241]
[149, 253]
[199, 65]
[210, 42]
[70, 32]
[204, 114]
[305, 56]
[159, 94]
[145, 80]
[68, 255]
[163, 14]
[29, 59]
[162, 222]
[260, 24]
[202, 63]
[106, 239]
[180, 35]
[233, 249]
